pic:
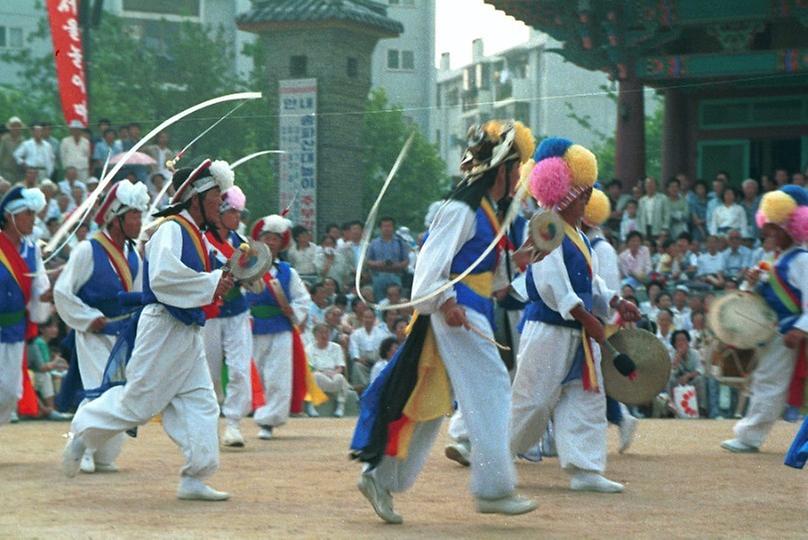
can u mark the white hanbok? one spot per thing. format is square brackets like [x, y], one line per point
[167, 372]
[92, 348]
[273, 356]
[11, 354]
[546, 355]
[477, 373]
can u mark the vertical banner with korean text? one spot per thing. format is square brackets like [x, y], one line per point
[69, 57]
[298, 138]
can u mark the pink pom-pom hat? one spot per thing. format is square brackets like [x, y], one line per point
[797, 225]
[550, 181]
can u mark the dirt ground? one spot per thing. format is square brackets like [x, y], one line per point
[679, 483]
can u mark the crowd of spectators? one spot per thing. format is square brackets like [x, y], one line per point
[679, 245]
[678, 249]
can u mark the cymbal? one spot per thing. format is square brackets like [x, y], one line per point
[652, 372]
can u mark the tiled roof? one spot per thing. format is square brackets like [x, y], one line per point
[366, 12]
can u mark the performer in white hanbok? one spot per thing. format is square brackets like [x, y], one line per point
[88, 295]
[227, 331]
[598, 210]
[782, 370]
[167, 373]
[558, 371]
[402, 410]
[23, 286]
[277, 346]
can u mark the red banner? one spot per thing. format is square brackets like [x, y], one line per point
[69, 58]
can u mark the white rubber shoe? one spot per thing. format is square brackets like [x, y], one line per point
[87, 462]
[512, 505]
[105, 467]
[265, 433]
[232, 436]
[590, 481]
[627, 428]
[193, 489]
[459, 452]
[737, 447]
[339, 412]
[380, 499]
[72, 455]
[310, 410]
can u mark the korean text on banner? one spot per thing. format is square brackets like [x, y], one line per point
[298, 138]
[69, 57]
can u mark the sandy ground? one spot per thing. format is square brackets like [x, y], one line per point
[679, 483]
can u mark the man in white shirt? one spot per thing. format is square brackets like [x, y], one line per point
[710, 264]
[71, 182]
[363, 348]
[327, 362]
[36, 153]
[736, 256]
[74, 150]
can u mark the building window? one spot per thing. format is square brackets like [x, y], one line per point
[407, 60]
[297, 66]
[400, 60]
[10, 37]
[405, 3]
[392, 59]
[352, 68]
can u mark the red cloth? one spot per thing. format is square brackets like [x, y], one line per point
[27, 406]
[298, 373]
[796, 390]
[258, 397]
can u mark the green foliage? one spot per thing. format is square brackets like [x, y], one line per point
[606, 148]
[129, 82]
[422, 177]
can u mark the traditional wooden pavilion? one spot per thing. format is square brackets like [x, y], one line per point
[734, 75]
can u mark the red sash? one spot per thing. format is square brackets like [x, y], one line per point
[16, 265]
[212, 310]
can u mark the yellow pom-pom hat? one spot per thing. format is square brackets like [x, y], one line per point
[787, 208]
[597, 209]
[563, 171]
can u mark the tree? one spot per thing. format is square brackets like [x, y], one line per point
[606, 149]
[130, 82]
[422, 177]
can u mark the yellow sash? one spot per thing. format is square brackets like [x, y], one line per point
[590, 378]
[116, 257]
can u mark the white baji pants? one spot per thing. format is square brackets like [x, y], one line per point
[230, 339]
[92, 351]
[11, 355]
[546, 355]
[482, 388]
[273, 354]
[337, 385]
[167, 374]
[769, 391]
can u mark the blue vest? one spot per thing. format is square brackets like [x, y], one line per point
[103, 288]
[12, 303]
[189, 258]
[580, 278]
[785, 317]
[484, 233]
[234, 301]
[266, 313]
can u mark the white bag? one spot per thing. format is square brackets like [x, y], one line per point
[686, 401]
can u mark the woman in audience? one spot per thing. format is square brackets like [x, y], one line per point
[635, 260]
[728, 216]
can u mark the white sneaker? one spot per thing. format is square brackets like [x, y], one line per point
[193, 489]
[512, 505]
[627, 428]
[380, 499]
[737, 447]
[72, 455]
[105, 467]
[232, 436]
[87, 463]
[589, 481]
[265, 433]
[458, 452]
[14, 418]
[339, 412]
[310, 410]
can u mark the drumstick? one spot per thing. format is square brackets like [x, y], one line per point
[486, 337]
